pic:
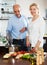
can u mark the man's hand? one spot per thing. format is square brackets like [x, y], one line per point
[23, 29]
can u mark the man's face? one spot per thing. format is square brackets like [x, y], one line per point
[17, 11]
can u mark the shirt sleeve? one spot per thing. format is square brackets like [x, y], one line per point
[42, 30]
[25, 20]
[27, 28]
[9, 26]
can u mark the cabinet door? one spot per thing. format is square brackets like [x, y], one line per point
[3, 26]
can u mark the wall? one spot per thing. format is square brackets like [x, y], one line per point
[45, 3]
[46, 26]
[26, 3]
[25, 6]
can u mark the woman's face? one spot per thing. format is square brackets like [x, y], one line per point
[34, 10]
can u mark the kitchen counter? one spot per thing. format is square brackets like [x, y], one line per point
[45, 37]
[45, 44]
[3, 50]
[13, 61]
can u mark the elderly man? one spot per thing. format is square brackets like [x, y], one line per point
[17, 26]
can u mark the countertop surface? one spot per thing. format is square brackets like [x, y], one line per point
[13, 61]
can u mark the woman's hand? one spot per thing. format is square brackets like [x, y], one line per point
[34, 49]
[38, 44]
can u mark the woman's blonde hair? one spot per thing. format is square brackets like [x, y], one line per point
[34, 4]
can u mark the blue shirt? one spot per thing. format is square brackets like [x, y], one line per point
[15, 25]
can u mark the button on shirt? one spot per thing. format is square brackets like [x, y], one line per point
[15, 25]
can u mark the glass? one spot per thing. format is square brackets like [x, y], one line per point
[11, 48]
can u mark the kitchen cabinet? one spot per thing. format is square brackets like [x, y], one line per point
[3, 26]
[45, 38]
[6, 11]
[45, 44]
[6, 8]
